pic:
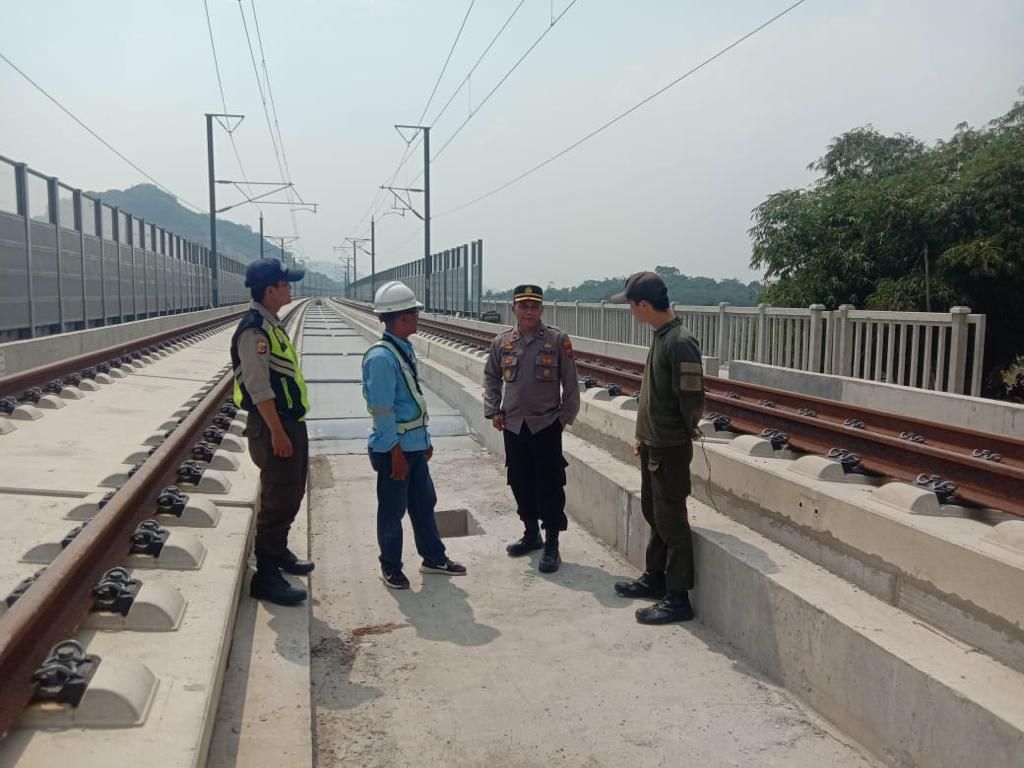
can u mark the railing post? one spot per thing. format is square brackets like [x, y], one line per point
[760, 354]
[103, 277]
[722, 351]
[814, 356]
[601, 324]
[957, 350]
[843, 361]
[576, 319]
[21, 185]
[77, 197]
[53, 190]
[979, 355]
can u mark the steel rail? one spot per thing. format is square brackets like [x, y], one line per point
[56, 604]
[16, 384]
[932, 433]
[979, 482]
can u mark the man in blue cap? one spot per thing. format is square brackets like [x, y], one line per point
[269, 385]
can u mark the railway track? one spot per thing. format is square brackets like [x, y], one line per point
[958, 465]
[29, 387]
[39, 660]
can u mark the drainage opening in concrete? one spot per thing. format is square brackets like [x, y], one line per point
[453, 523]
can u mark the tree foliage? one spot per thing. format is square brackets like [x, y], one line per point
[885, 207]
[682, 289]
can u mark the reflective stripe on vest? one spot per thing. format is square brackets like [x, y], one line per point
[410, 383]
[284, 366]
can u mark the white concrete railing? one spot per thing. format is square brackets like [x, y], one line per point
[942, 351]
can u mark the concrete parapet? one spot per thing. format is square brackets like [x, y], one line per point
[31, 353]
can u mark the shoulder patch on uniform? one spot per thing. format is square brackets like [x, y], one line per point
[261, 346]
[691, 382]
[691, 368]
[567, 347]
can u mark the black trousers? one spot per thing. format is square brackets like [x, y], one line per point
[664, 486]
[536, 473]
[282, 482]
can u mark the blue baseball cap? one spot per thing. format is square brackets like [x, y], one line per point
[264, 272]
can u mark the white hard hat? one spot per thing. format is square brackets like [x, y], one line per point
[395, 296]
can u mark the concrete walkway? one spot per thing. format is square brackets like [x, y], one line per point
[507, 667]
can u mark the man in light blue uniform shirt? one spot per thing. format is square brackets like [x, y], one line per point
[399, 444]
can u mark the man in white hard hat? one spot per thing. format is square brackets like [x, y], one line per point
[399, 444]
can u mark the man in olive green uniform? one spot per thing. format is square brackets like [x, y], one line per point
[536, 366]
[671, 404]
[269, 385]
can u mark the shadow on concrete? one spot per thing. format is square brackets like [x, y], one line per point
[584, 578]
[441, 612]
[332, 656]
[286, 622]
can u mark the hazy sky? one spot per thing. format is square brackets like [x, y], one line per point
[673, 183]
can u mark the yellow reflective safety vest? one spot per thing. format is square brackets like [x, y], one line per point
[412, 384]
[290, 395]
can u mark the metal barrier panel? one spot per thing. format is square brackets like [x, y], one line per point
[44, 272]
[92, 290]
[456, 280]
[71, 310]
[14, 310]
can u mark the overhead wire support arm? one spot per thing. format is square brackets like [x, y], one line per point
[404, 199]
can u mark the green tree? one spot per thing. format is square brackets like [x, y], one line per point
[681, 289]
[892, 223]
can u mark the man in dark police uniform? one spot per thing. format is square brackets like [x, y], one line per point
[531, 395]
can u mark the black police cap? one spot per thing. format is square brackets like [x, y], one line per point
[527, 293]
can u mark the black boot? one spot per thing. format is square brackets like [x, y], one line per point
[648, 585]
[268, 584]
[531, 540]
[290, 563]
[674, 606]
[550, 560]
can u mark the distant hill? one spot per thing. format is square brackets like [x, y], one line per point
[682, 289]
[236, 240]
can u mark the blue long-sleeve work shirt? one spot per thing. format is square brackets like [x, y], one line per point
[389, 400]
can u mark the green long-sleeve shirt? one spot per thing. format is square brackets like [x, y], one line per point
[672, 392]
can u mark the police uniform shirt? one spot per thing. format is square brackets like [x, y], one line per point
[529, 369]
[254, 355]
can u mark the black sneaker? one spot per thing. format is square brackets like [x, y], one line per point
[645, 586]
[447, 568]
[268, 584]
[290, 563]
[669, 609]
[525, 545]
[394, 579]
